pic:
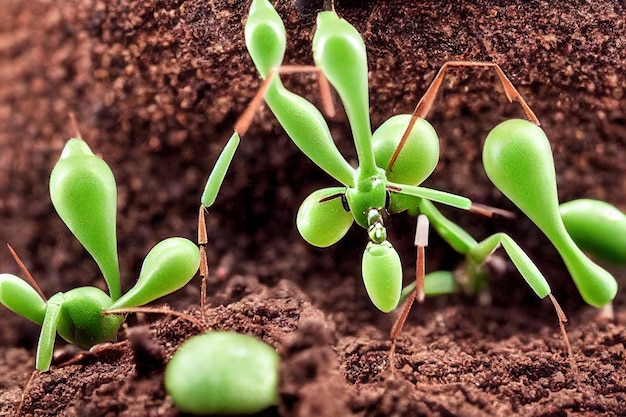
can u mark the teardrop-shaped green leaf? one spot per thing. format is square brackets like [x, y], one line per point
[518, 160]
[382, 275]
[418, 157]
[21, 298]
[323, 223]
[265, 36]
[339, 51]
[83, 192]
[169, 265]
[597, 227]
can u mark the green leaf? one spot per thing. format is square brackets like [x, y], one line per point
[83, 192]
[216, 177]
[518, 160]
[169, 265]
[21, 298]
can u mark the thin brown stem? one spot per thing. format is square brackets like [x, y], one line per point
[27, 276]
[153, 310]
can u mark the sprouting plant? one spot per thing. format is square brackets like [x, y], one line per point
[223, 373]
[396, 158]
[83, 192]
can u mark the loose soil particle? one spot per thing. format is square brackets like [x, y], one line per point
[156, 88]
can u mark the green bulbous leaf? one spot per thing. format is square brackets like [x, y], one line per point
[597, 227]
[168, 266]
[21, 298]
[223, 373]
[382, 275]
[418, 157]
[81, 321]
[323, 224]
[84, 194]
[265, 36]
[518, 160]
[339, 51]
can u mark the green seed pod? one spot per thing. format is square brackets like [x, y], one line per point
[382, 275]
[21, 298]
[597, 227]
[223, 373]
[81, 321]
[168, 266]
[323, 223]
[83, 192]
[418, 157]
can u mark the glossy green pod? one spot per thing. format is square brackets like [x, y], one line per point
[21, 298]
[518, 160]
[81, 321]
[597, 227]
[168, 266]
[223, 373]
[84, 194]
[323, 223]
[420, 153]
[382, 275]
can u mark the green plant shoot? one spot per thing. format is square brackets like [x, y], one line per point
[83, 192]
[397, 157]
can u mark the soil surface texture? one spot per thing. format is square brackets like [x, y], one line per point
[156, 88]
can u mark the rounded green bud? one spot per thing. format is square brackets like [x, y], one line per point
[81, 321]
[223, 373]
[419, 155]
[597, 227]
[265, 36]
[382, 275]
[323, 223]
[84, 194]
[168, 266]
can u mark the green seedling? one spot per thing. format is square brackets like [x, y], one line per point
[598, 228]
[223, 373]
[83, 192]
[211, 189]
[396, 158]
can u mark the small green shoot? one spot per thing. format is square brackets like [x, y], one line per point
[83, 192]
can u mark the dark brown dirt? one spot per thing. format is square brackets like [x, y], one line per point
[156, 88]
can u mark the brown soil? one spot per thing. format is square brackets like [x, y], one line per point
[156, 88]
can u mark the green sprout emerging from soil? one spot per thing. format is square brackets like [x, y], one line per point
[396, 158]
[84, 194]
